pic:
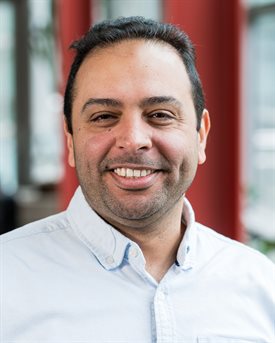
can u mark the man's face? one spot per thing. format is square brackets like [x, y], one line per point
[134, 145]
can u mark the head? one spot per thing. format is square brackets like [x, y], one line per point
[109, 32]
[133, 129]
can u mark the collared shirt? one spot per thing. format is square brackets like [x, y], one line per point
[74, 278]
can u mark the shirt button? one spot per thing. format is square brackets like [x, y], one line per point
[110, 260]
[134, 252]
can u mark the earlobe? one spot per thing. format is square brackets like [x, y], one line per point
[70, 144]
[202, 135]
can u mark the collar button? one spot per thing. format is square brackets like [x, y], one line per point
[133, 252]
[109, 260]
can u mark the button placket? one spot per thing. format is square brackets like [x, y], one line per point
[164, 324]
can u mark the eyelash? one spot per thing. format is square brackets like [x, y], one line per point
[108, 119]
[161, 115]
[102, 117]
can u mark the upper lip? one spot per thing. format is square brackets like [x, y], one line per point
[132, 166]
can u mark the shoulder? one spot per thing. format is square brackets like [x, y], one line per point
[236, 254]
[235, 267]
[43, 227]
[35, 245]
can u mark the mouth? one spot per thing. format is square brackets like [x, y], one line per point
[132, 178]
[133, 173]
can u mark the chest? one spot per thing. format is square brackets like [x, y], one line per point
[97, 305]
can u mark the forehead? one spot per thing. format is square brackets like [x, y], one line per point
[130, 63]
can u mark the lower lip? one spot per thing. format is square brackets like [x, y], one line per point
[135, 183]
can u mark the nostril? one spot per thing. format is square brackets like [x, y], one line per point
[134, 144]
[133, 135]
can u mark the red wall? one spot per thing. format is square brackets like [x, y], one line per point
[215, 28]
[73, 20]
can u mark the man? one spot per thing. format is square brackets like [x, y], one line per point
[127, 262]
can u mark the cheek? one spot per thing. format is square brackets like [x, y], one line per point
[177, 148]
[91, 148]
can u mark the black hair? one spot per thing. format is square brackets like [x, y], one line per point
[109, 32]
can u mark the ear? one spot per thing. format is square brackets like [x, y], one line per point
[70, 143]
[202, 136]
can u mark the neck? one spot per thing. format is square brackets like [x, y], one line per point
[160, 252]
[159, 241]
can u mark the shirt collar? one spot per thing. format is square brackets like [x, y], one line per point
[106, 243]
[187, 249]
[110, 246]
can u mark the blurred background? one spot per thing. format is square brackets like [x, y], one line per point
[234, 191]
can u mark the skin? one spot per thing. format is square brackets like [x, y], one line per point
[133, 109]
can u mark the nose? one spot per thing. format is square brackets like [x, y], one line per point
[133, 134]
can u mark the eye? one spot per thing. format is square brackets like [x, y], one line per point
[161, 117]
[103, 119]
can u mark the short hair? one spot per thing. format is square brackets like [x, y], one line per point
[109, 32]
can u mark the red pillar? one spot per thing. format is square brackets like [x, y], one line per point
[73, 20]
[215, 28]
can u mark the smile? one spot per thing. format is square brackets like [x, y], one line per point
[133, 173]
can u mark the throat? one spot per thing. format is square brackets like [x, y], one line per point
[158, 270]
[159, 241]
[161, 253]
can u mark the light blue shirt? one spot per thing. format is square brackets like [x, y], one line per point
[74, 278]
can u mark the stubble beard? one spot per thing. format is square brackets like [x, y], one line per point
[133, 213]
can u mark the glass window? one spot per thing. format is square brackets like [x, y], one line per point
[8, 155]
[260, 124]
[46, 104]
[106, 9]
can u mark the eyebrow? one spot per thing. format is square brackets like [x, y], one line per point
[109, 102]
[159, 100]
[101, 101]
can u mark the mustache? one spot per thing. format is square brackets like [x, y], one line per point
[160, 164]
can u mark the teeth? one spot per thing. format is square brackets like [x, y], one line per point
[127, 172]
[137, 173]
[143, 173]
